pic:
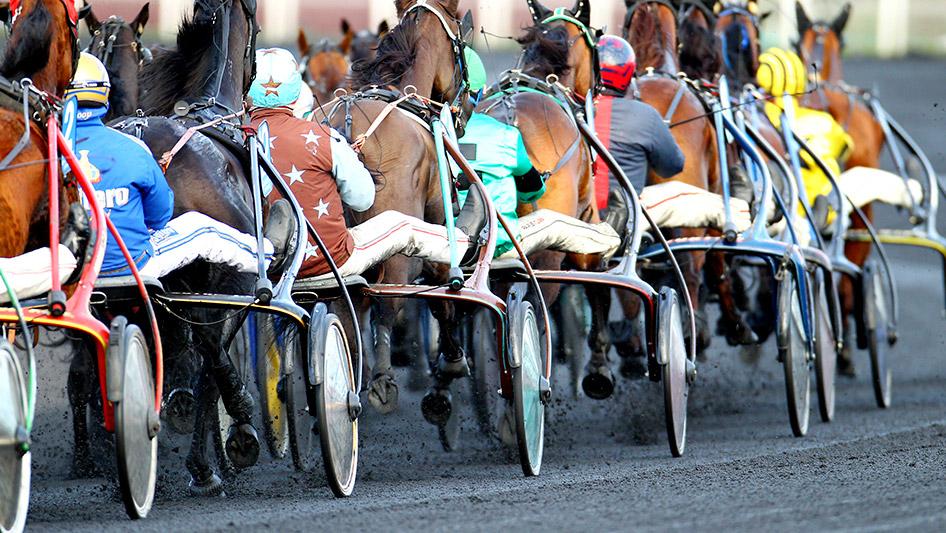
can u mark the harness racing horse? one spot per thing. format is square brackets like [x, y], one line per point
[423, 54]
[325, 65]
[700, 54]
[364, 43]
[821, 44]
[651, 28]
[117, 44]
[203, 81]
[560, 54]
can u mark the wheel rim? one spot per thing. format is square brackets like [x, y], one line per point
[338, 431]
[676, 388]
[797, 371]
[269, 372]
[532, 411]
[14, 468]
[138, 452]
[826, 357]
[878, 343]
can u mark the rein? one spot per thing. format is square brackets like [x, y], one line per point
[104, 48]
[460, 73]
[560, 14]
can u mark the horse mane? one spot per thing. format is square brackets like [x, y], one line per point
[395, 57]
[700, 52]
[28, 52]
[650, 40]
[546, 51]
[179, 72]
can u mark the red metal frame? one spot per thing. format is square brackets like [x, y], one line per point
[78, 315]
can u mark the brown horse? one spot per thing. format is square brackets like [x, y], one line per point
[364, 44]
[416, 53]
[42, 47]
[820, 44]
[117, 44]
[651, 29]
[325, 64]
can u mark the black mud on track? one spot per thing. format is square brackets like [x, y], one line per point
[607, 465]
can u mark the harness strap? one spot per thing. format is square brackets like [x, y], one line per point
[359, 143]
[25, 138]
[668, 116]
[569, 154]
[168, 156]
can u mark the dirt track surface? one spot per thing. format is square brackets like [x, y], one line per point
[607, 465]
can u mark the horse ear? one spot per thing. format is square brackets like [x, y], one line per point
[538, 11]
[801, 18]
[383, 28]
[345, 44]
[138, 25]
[303, 42]
[582, 11]
[841, 22]
[346, 27]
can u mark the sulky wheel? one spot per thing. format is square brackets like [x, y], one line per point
[269, 372]
[14, 443]
[136, 422]
[794, 352]
[672, 357]
[487, 401]
[336, 399]
[527, 385]
[876, 316]
[826, 348]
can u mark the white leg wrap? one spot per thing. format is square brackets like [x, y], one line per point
[679, 205]
[550, 230]
[866, 185]
[30, 274]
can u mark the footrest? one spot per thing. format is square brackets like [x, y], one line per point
[123, 282]
[327, 284]
[500, 265]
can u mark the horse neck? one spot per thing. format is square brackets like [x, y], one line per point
[226, 82]
[833, 70]
[422, 76]
[56, 74]
[661, 57]
[123, 70]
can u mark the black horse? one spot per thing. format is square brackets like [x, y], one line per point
[117, 44]
[201, 80]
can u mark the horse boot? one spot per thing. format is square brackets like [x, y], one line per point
[598, 383]
[180, 410]
[437, 405]
[627, 343]
[450, 367]
[281, 231]
[242, 444]
[846, 357]
[737, 332]
[471, 221]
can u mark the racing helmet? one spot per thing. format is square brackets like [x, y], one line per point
[618, 63]
[90, 84]
[782, 72]
[278, 81]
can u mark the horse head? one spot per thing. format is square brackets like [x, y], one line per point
[364, 44]
[117, 44]
[582, 75]
[324, 66]
[821, 43]
[737, 25]
[43, 43]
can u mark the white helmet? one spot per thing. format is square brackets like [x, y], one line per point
[278, 82]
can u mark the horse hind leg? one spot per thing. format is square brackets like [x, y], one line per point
[383, 388]
[569, 313]
[731, 324]
[598, 383]
[204, 480]
[451, 364]
[80, 389]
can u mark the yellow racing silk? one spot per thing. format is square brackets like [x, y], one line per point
[826, 138]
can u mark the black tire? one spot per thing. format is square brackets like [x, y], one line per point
[135, 442]
[793, 351]
[269, 372]
[826, 350]
[878, 342]
[526, 392]
[329, 354]
[14, 465]
[672, 353]
[487, 401]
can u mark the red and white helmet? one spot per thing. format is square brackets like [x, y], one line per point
[618, 63]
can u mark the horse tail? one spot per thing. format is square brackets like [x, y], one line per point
[28, 50]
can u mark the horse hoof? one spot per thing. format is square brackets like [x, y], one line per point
[703, 336]
[633, 368]
[243, 445]
[846, 363]
[598, 383]
[212, 486]
[738, 334]
[437, 406]
[180, 411]
[382, 393]
[452, 369]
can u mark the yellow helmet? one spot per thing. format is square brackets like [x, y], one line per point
[782, 72]
[90, 84]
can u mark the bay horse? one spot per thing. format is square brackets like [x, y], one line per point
[208, 73]
[821, 44]
[364, 43]
[651, 28]
[117, 44]
[418, 54]
[325, 64]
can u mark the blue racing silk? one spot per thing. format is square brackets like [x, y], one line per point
[497, 153]
[128, 184]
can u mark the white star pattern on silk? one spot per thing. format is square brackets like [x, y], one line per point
[322, 208]
[311, 251]
[295, 175]
[272, 143]
[311, 137]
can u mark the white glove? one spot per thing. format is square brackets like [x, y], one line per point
[865, 185]
[679, 205]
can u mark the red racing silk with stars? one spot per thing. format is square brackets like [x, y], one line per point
[302, 154]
